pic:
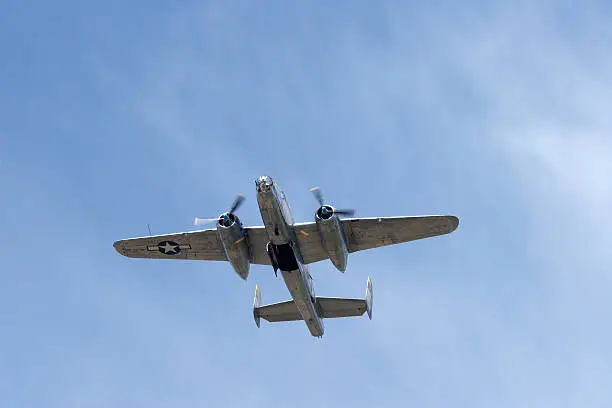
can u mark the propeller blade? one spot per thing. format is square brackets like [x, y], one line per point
[202, 221]
[350, 213]
[237, 203]
[318, 195]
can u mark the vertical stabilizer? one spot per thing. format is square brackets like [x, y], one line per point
[256, 304]
[368, 298]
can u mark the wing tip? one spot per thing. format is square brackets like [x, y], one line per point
[120, 248]
[454, 222]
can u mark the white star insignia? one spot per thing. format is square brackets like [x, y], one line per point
[168, 248]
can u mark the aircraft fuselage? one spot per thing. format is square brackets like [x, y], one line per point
[284, 251]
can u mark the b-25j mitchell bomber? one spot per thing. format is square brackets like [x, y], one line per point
[289, 247]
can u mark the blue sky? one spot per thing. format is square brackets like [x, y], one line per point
[113, 116]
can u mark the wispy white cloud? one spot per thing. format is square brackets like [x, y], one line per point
[546, 93]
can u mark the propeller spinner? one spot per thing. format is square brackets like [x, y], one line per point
[326, 211]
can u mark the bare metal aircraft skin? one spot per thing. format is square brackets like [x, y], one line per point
[290, 247]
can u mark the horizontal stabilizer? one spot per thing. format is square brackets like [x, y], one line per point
[338, 307]
[326, 307]
[279, 312]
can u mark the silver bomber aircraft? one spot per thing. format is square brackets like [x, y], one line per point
[290, 247]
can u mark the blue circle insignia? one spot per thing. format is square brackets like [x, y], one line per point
[169, 248]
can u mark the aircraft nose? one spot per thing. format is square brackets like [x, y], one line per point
[264, 183]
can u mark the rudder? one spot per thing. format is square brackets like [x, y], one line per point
[256, 304]
[369, 298]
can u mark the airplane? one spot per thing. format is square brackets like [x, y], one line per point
[290, 247]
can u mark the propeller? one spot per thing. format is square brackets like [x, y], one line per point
[318, 195]
[236, 204]
[347, 212]
[202, 221]
[327, 209]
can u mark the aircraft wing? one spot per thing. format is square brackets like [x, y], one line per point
[367, 233]
[279, 312]
[309, 242]
[194, 245]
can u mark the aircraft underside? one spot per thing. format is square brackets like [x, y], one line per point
[290, 247]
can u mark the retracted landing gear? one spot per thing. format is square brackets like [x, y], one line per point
[272, 256]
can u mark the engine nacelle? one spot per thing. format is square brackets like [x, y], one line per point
[332, 236]
[235, 244]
